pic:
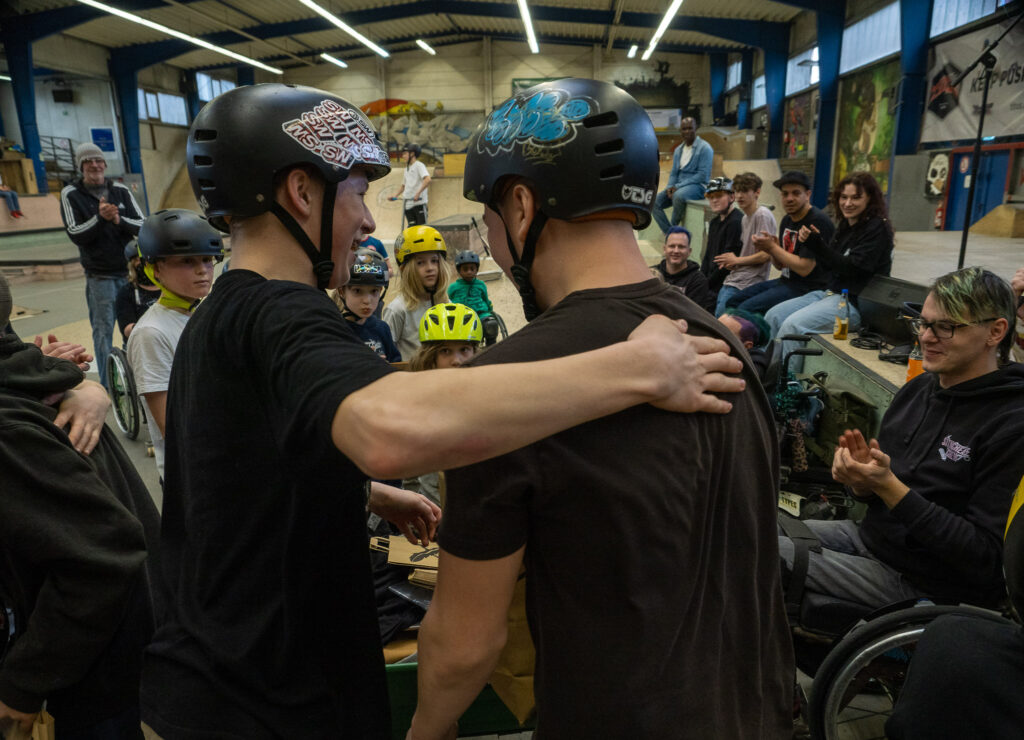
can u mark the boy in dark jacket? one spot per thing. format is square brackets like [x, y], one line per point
[725, 231]
[74, 531]
[939, 479]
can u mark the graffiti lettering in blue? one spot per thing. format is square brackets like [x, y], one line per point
[546, 118]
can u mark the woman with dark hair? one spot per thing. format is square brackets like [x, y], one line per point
[860, 249]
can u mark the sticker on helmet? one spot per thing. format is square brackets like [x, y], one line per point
[337, 135]
[547, 118]
[364, 269]
[637, 194]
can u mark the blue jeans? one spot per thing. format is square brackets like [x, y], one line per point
[759, 297]
[101, 296]
[725, 294]
[811, 313]
[678, 203]
[12, 200]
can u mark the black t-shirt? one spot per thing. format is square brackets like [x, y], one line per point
[724, 235]
[273, 627]
[651, 550]
[817, 278]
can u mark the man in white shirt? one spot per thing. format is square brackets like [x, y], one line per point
[691, 170]
[414, 186]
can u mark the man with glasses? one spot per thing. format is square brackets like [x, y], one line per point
[101, 217]
[939, 479]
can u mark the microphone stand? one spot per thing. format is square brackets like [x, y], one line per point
[988, 60]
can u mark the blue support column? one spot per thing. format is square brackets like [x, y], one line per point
[775, 61]
[830, 43]
[746, 83]
[19, 66]
[192, 101]
[126, 89]
[245, 74]
[915, 24]
[719, 63]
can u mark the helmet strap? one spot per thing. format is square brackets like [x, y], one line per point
[323, 265]
[168, 298]
[521, 265]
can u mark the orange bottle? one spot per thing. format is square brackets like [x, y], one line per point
[914, 362]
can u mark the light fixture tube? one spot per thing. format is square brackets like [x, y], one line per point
[177, 34]
[333, 60]
[632, 52]
[670, 14]
[531, 39]
[426, 47]
[343, 26]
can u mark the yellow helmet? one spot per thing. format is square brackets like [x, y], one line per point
[450, 322]
[419, 239]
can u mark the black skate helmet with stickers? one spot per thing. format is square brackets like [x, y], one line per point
[368, 269]
[243, 138]
[719, 185]
[586, 147]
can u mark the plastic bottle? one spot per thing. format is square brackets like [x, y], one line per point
[842, 326]
[914, 366]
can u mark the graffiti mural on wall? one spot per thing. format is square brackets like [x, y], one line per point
[866, 122]
[402, 122]
[799, 115]
[658, 89]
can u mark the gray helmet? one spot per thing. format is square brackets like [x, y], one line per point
[719, 185]
[240, 140]
[368, 269]
[467, 257]
[176, 232]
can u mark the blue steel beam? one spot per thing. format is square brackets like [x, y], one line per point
[19, 67]
[719, 64]
[775, 64]
[746, 83]
[915, 24]
[830, 43]
[34, 26]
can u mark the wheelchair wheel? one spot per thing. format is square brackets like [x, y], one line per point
[857, 686]
[121, 385]
[502, 329]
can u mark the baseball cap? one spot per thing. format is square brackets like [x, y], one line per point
[793, 178]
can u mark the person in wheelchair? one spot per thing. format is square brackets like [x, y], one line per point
[138, 294]
[939, 479]
[178, 249]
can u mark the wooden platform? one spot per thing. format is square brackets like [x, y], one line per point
[42, 212]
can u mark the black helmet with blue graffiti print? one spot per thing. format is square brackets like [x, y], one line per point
[586, 146]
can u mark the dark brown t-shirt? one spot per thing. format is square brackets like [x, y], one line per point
[651, 548]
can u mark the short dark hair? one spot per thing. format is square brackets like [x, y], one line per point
[747, 182]
[679, 230]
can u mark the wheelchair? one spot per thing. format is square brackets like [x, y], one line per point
[857, 685]
[128, 410]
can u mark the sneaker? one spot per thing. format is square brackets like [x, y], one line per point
[17, 214]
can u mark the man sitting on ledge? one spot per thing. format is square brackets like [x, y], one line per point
[691, 169]
[939, 479]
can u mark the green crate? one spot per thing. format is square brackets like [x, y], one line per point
[487, 714]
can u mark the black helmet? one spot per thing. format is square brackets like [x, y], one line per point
[587, 146]
[131, 250]
[414, 149]
[241, 139]
[719, 185]
[468, 257]
[176, 232]
[368, 269]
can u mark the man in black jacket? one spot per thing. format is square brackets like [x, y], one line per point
[725, 231]
[939, 479]
[74, 531]
[100, 216]
[679, 270]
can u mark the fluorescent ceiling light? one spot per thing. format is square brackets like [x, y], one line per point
[177, 34]
[5, 78]
[333, 60]
[528, 24]
[425, 46]
[632, 52]
[670, 14]
[344, 26]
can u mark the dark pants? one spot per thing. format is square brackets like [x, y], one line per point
[125, 726]
[759, 297]
[490, 327]
[964, 682]
[416, 215]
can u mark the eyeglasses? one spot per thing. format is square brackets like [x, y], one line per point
[943, 329]
[94, 160]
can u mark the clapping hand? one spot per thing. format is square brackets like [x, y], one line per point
[109, 211]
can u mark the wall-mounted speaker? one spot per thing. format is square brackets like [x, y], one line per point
[63, 95]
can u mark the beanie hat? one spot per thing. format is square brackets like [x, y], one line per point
[87, 150]
[6, 302]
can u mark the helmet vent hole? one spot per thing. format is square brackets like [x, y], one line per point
[202, 160]
[610, 173]
[204, 134]
[601, 119]
[609, 147]
[206, 184]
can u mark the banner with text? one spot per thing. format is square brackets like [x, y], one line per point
[952, 113]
